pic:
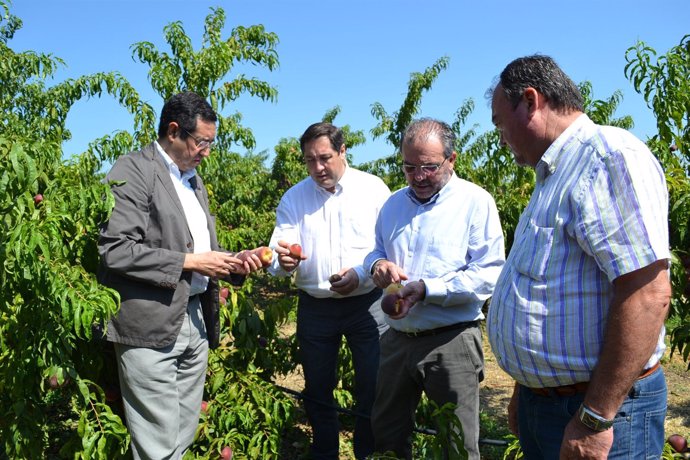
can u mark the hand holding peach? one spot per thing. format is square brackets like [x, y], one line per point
[257, 258]
[392, 300]
[265, 255]
[250, 259]
[345, 281]
[289, 255]
[398, 299]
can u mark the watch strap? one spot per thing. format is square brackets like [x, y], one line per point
[592, 420]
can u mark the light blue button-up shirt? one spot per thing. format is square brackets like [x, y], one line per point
[454, 242]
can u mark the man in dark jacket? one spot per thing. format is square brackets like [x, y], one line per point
[160, 252]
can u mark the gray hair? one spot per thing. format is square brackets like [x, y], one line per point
[424, 128]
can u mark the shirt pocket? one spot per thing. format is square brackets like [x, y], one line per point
[359, 231]
[446, 254]
[534, 251]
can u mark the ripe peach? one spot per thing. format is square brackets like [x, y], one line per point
[390, 304]
[38, 198]
[295, 250]
[226, 453]
[391, 301]
[204, 406]
[265, 254]
[678, 442]
[54, 382]
[224, 292]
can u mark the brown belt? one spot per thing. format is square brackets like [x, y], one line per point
[580, 387]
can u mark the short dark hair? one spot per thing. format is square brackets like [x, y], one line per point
[184, 109]
[543, 74]
[424, 128]
[316, 130]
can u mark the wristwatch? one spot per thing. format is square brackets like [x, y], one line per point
[592, 420]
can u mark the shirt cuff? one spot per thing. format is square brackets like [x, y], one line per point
[435, 290]
[370, 271]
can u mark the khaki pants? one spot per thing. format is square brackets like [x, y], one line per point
[447, 367]
[162, 390]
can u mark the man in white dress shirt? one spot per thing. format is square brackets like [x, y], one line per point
[331, 214]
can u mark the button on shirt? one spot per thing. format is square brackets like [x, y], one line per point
[454, 242]
[335, 230]
[598, 211]
[194, 214]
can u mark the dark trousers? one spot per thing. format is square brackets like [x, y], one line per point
[321, 324]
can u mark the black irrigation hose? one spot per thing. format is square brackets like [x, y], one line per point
[422, 430]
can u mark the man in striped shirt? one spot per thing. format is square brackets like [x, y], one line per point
[577, 317]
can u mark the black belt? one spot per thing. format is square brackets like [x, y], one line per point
[439, 330]
[376, 292]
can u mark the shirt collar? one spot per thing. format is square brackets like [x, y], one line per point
[345, 180]
[173, 168]
[445, 190]
[551, 158]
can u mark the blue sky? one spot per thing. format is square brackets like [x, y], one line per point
[354, 53]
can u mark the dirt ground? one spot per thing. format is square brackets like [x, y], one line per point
[494, 396]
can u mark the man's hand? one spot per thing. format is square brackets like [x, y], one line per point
[386, 272]
[408, 296]
[215, 264]
[579, 442]
[287, 260]
[345, 281]
[250, 260]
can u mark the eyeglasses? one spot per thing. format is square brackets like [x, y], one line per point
[201, 144]
[427, 170]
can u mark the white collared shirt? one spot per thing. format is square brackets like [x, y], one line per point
[335, 230]
[194, 213]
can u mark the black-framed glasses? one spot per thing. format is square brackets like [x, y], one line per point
[427, 169]
[201, 144]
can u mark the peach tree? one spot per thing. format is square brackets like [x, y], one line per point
[664, 82]
[55, 371]
[49, 299]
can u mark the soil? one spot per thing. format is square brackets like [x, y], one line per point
[495, 393]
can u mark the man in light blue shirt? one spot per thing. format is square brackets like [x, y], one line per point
[441, 237]
[578, 312]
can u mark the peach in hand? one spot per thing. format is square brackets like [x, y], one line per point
[265, 255]
[295, 250]
[391, 301]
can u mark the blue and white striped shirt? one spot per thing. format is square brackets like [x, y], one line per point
[599, 210]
